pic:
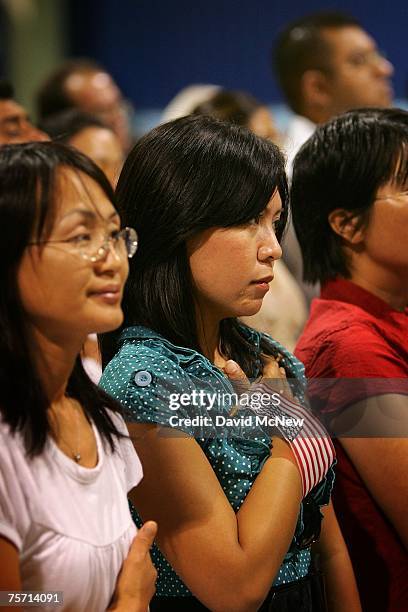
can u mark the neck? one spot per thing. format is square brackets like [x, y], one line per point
[385, 285]
[208, 332]
[55, 360]
[316, 115]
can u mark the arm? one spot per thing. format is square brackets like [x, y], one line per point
[227, 560]
[10, 579]
[382, 462]
[342, 593]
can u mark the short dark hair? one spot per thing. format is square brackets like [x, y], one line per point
[65, 125]
[301, 47]
[183, 177]
[27, 204]
[52, 97]
[343, 165]
[6, 90]
[232, 106]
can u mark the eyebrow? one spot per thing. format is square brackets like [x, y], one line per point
[88, 213]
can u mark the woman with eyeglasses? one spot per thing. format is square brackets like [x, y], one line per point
[237, 499]
[356, 335]
[66, 462]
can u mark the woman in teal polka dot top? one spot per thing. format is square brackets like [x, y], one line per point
[236, 520]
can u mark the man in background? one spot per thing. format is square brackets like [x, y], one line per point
[84, 85]
[15, 124]
[326, 64]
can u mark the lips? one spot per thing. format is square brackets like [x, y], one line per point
[107, 289]
[110, 294]
[262, 281]
[261, 286]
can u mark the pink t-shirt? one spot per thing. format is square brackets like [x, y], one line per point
[71, 525]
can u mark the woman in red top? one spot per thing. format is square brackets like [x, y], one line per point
[350, 211]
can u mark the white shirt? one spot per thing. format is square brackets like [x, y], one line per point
[299, 130]
[71, 525]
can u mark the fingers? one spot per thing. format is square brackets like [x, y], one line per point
[237, 376]
[238, 380]
[235, 372]
[275, 375]
[135, 585]
[271, 368]
[143, 540]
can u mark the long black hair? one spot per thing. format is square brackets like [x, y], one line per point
[183, 177]
[27, 207]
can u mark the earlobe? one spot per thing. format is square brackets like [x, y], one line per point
[346, 224]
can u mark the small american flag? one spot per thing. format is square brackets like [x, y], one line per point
[310, 443]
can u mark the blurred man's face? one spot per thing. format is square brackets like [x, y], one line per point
[15, 125]
[95, 92]
[360, 75]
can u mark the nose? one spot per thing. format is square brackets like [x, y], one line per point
[111, 249]
[384, 67]
[112, 263]
[41, 136]
[270, 248]
[33, 134]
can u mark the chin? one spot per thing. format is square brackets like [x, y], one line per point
[105, 324]
[248, 310]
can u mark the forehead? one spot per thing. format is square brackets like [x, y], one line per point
[9, 109]
[275, 203]
[76, 190]
[346, 40]
[96, 142]
[92, 90]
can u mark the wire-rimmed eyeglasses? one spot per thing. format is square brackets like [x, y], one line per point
[92, 246]
[390, 196]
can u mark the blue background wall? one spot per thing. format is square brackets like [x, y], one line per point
[156, 47]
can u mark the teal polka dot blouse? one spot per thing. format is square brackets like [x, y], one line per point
[147, 373]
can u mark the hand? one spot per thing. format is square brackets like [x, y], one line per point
[273, 375]
[309, 442]
[237, 377]
[135, 585]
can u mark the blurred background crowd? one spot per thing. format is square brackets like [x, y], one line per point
[153, 49]
[97, 75]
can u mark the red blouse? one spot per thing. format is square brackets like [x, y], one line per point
[359, 345]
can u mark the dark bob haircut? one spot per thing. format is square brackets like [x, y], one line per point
[183, 177]
[343, 165]
[28, 197]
